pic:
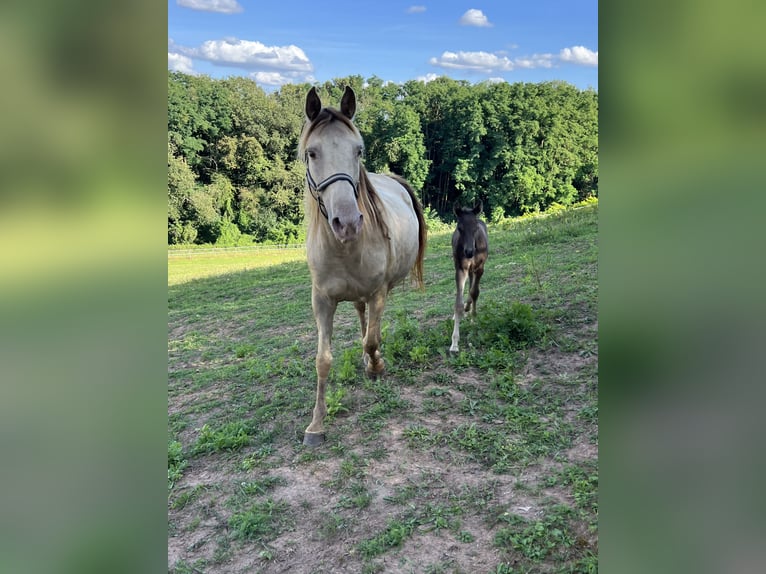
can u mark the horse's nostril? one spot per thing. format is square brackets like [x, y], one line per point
[336, 224]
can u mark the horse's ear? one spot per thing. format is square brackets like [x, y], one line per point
[313, 104]
[456, 209]
[348, 103]
[477, 208]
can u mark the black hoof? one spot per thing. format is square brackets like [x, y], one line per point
[313, 438]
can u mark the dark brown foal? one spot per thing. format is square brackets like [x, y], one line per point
[470, 247]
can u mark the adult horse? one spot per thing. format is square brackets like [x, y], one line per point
[470, 247]
[365, 233]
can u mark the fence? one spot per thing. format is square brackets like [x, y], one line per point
[253, 248]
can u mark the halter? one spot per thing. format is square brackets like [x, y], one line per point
[316, 189]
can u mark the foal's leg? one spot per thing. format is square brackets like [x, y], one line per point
[474, 292]
[469, 300]
[324, 311]
[375, 365]
[361, 307]
[460, 276]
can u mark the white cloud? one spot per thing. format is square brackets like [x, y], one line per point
[427, 78]
[473, 61]
[493, 63]
[495, 80]
[579, 55]
[474, 17]
[251, 55]
[222, 6]
[535, 61]
[180, 63]
[270, 78]
[279, 79]
[416, 9]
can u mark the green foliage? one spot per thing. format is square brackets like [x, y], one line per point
[180, 233]
[346, 367]
[260, 486]
[396, 532]
[394, 142]
[418, 436]
[176, 462]
[334, 400]
[507, 327]
[520, 148]
[433, 221]
[584, 483]
[419, 354]
[228, 233]
[231, 436]
[539, 539]
[261, 522]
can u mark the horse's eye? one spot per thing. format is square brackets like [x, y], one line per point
[312, 154]
[359, 152]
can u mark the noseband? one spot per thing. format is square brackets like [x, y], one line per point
[317, 188]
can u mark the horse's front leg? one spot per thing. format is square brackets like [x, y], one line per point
[460, 277]
[474, 290]
[361, 307]
[324, 311]
[371, 342]
[469, 299]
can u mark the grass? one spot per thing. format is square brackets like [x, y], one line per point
[184, 266]
[491, 450]
[261, 521]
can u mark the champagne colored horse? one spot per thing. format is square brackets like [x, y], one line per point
[365, 234]
[470, 247]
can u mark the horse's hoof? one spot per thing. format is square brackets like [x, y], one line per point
[374, 374]
[374, 370]
[313, 438]
[453, 351]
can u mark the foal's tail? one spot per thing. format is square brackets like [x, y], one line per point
[417, 269]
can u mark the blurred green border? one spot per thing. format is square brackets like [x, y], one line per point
[681, 315]
[83, 296]
[83, 286]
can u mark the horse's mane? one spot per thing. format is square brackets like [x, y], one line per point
[369, 202]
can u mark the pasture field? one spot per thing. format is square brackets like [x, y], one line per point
[184, 266]
[482, 462]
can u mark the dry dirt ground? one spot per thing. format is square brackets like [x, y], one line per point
[324, 533]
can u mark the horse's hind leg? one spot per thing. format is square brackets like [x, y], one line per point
[460, 277]
[324, 311]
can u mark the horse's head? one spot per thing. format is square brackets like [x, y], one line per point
[468, 228]
[331, 147]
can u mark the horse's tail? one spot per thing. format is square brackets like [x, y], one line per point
[417, 269]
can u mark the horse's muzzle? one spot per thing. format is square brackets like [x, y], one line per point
[347, 228]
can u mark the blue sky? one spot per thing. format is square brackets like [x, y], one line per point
[292, 41]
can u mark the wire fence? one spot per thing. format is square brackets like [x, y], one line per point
[244, 248]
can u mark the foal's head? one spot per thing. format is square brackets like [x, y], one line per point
[468, 230]
[331, 147]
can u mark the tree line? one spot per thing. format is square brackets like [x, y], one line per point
[234, 177]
